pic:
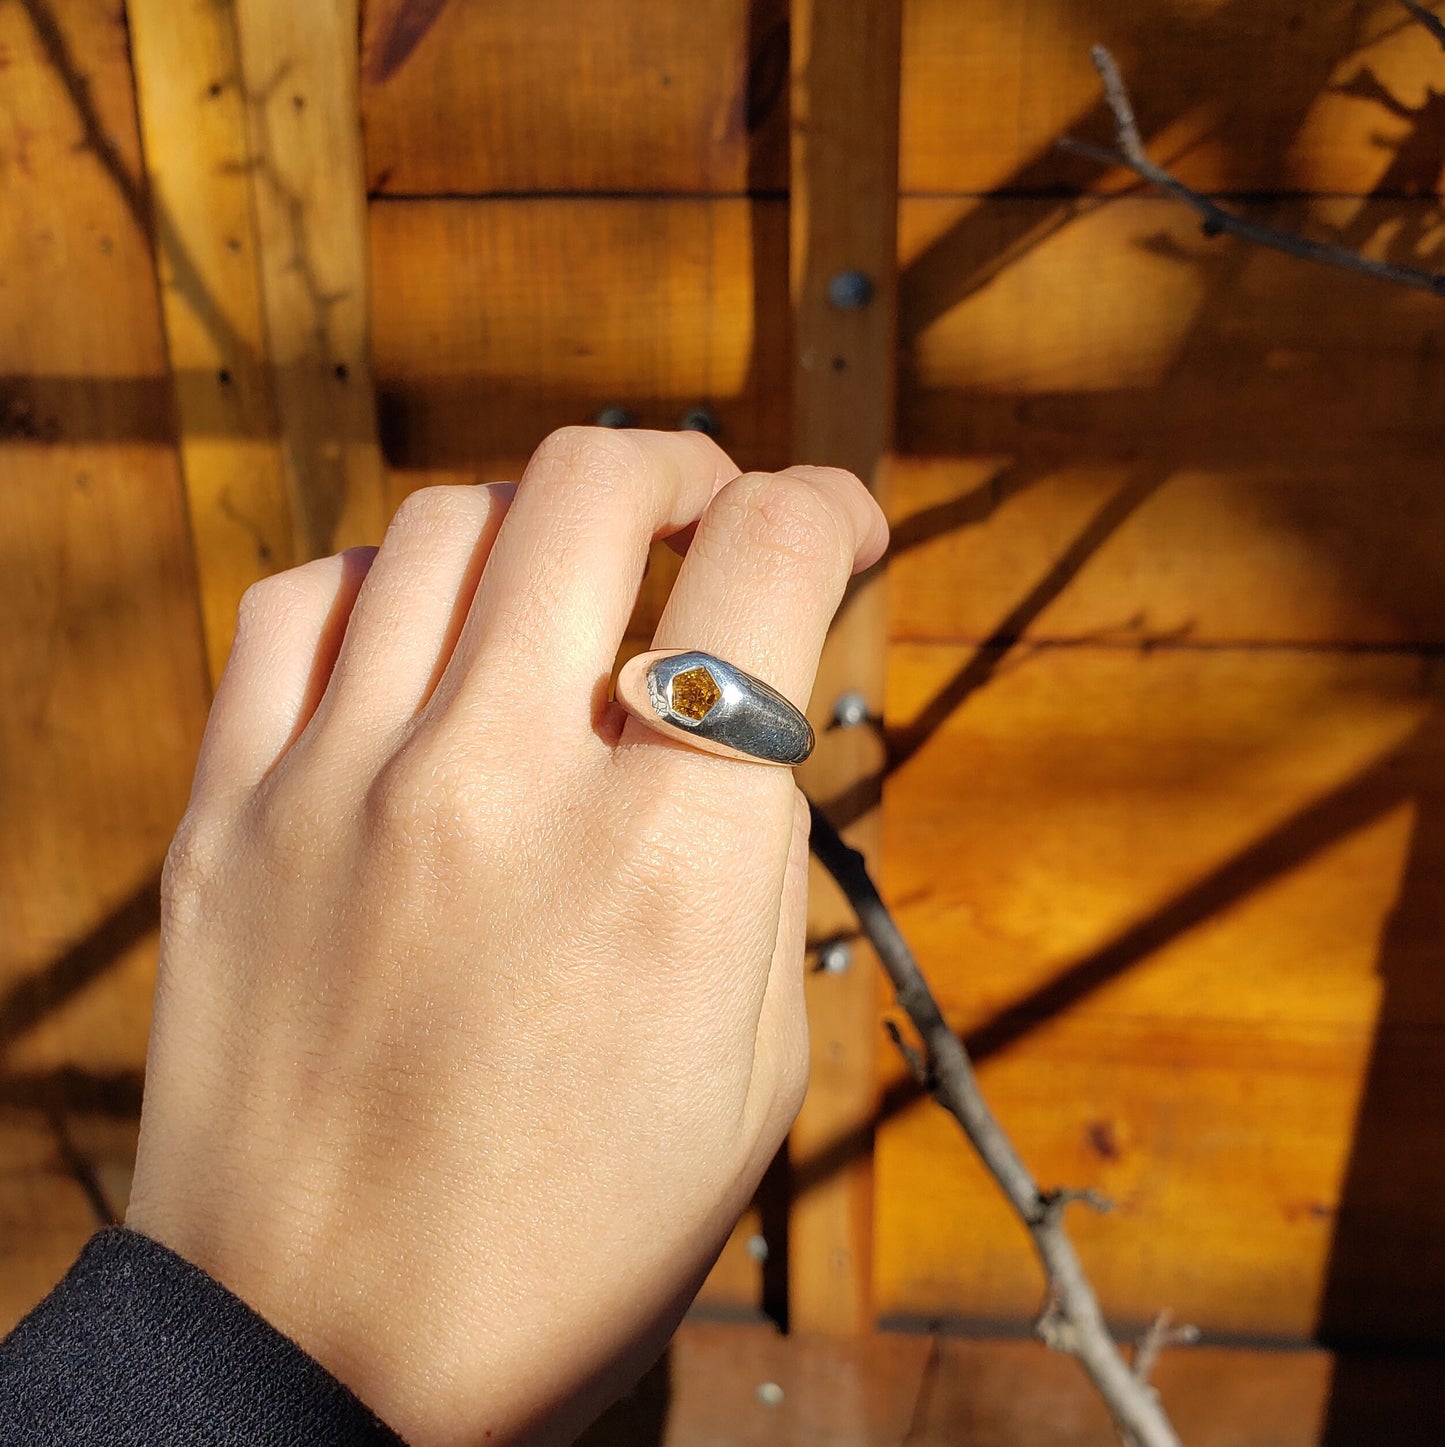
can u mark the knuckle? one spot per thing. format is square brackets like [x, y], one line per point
[193, 861]
[418, 806]
[817, 472]
[402, 798]
[438, 509]
[788, 516]
[266, 600]
[280, 597]
[595, 455]
[294, 825]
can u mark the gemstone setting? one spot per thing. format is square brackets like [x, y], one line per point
[694, 693]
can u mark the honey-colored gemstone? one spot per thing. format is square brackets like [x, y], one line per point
[694, 692]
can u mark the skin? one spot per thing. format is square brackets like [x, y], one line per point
[480, 1010]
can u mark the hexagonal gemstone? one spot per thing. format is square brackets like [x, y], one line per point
[694, 692]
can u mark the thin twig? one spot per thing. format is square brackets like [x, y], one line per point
[1129, 152]
[1071, 1320]
[1161, 1333]
[1428, 19]
[918, 1067]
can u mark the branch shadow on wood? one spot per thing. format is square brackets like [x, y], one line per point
[150, 218]
[28, 1001]
[1333, 817]
[63, 1094]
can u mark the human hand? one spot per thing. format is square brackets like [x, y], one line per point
[480, 1009]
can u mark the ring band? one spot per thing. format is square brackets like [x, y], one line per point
[705, 701]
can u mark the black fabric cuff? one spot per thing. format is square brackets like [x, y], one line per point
[136, 1347]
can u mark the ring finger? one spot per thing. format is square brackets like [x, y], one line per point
[763, 577]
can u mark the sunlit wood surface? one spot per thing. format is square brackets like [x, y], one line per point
[102, 677]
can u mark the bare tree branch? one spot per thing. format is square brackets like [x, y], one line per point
[1071, 1320]
[1428, 19]
[1216, 220]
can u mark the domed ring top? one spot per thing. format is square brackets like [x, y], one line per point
[715, 706]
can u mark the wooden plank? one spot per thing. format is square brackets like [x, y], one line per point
[300, 64]
[193, 119]
[1115, 429]
[497, 321]
[101, 663]
[747, 1386]
[844, 221]
[1185, 906]
[258, 209]
[521, 96]
[1258, 96]
[923, 1391]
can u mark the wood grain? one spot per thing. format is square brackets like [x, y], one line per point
[1240, 95]
[1266, 95]
[300, 65]
[844, 215]
[522, 96]
[1112, 428]
[249, 117]
[101, 665]
[192, 103]
[1185, 906]
[497, 321]
[1208, 414]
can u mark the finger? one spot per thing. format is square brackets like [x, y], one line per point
[411, 610]
[780, 1057]
[764, 576]
[288, 633]
[553, 603]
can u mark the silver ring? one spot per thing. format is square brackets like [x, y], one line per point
[705, 701]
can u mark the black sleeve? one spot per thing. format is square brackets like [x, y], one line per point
[138, 1348]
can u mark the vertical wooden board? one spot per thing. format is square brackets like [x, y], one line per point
[101, 664]
[546, 95]
[1241, 95]
[843, 267]
[249, 117]
[1185, 907]
[193, 105]
[300, 66]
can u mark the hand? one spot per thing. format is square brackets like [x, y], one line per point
[480, 1009]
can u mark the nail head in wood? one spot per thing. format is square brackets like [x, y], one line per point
[850, 291]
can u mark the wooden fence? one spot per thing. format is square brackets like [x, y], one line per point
[1155, 763]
